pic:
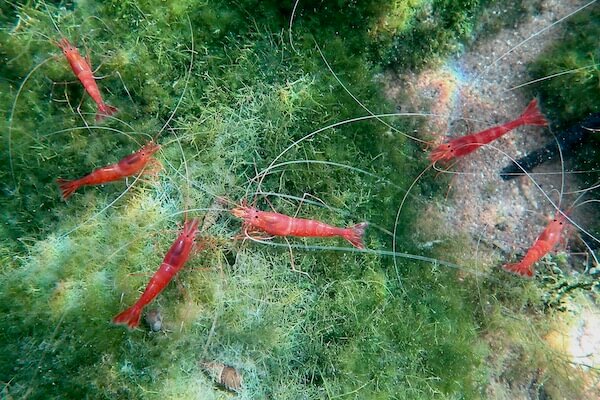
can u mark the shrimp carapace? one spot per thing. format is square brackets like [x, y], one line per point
[174, 260]
[83, 71]
[278, 224]
[542, 245]
[469, 143]
[128, 166]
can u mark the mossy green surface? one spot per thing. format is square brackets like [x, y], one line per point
[417, 33]
[352, 325]
[575, 92]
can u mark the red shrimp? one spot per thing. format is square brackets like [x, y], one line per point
[542, 245]
[128, 166]
[278, 224]
[83, 71]
[175, 259]
[469, 143]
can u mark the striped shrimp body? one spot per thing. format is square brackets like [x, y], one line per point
[464, 145]
[542, 246]
[83, 71]
[128, 166]
[174, 260]
[278, 224]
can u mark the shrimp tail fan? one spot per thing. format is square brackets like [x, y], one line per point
[129, 317]
[519, 269]
[354, 234]
[104, 110]
[532, 115]
[67, 187]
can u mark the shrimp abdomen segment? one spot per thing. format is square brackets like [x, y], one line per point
[174, 260]
[128, 166]
[542, 245]
[96, 177]
[311, 227]
[534, 254]
[469, 143]
[157, 283]
[83, 71]
[131, 316]
[282, 225]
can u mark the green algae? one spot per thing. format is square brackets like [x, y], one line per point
[424, 32]
[575, 92]
[357, 326]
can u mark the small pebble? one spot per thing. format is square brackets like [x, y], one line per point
[154, 320]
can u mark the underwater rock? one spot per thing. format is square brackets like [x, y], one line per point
[224, 375]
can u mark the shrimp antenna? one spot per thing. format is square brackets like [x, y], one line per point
[11, 115]
[386, 253]
[187, 80]
[187, 177]
[52, 19]
[575, 205]
[583, 193]
[397, 220]
[506, 53]
[198, 186]
[291, 23]
[562, 168]
[263, 173]
[544, 78]
[593, 186]
[554, 205]
[364, 107]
